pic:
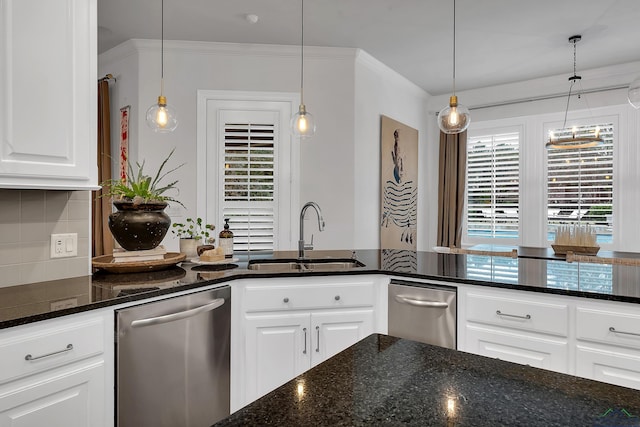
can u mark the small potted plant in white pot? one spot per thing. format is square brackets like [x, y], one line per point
[193, 233]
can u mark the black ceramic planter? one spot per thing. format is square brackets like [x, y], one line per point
[139, 227]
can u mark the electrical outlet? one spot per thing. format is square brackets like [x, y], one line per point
[64, 245]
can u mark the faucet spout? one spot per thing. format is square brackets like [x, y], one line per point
[302, 246]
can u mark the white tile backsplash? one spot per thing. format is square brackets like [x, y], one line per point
[27, 220]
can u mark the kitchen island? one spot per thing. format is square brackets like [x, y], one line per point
[384, 380]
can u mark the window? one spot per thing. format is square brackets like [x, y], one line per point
[493, 186]
[247, 167]
[248, 184]
[580, 184]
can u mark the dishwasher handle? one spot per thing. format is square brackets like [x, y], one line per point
[178, 316]
[421, 303]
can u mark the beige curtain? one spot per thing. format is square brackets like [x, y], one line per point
[451, 187]
[101, 208]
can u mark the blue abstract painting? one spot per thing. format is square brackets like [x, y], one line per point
[399, 185]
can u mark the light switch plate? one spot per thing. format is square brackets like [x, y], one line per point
[64, 245]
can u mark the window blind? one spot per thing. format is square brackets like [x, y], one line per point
[248, 186]
[493, 185]
[580, 183]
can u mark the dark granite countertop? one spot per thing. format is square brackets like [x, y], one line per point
[387, 381]
[534, 271]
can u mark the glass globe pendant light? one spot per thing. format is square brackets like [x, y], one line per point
[634, 93]
[162, 117]
[455, 117]
[303, 124]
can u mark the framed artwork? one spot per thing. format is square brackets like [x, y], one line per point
[399, 185]
[124, 142]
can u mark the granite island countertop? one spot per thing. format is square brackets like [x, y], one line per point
[384, 380]
[534, 271]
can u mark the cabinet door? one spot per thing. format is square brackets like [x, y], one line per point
[277, 349]
[61, 398]
[537, 351]
[610, 365]
[48, 108]
[332, 332]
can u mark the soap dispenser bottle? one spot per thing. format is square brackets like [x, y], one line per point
[226, 240]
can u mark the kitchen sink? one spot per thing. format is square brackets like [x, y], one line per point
[307, 264]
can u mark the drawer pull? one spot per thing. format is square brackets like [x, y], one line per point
[305, 341]
[286, 300]
[527, 317]
[612, 329]
[337, 298]
[30, 358]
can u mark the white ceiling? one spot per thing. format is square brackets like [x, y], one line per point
[498, 41]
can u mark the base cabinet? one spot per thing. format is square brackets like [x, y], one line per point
[536, 351]
[283, 327]
[58, 373]
[282, 346]
[71, 397]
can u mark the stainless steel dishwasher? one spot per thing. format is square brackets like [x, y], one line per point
[423, 312]
[173, 361]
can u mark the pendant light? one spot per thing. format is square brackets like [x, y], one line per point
[574, 140]
[302, 123]
[161, 117]
[634, 93]
[455, 117]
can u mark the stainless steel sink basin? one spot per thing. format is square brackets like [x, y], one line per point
[310, 264]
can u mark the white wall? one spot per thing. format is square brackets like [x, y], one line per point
[326, 160]
[382, 91]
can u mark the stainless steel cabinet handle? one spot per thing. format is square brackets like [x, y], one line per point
[318, 340]
[612, 329]
[337, 298]
[305, 341]
[420, 303]
[499, 313]
[286, 300]
[29, 357]
[178, 316]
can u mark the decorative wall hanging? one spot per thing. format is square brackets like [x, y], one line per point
[399, 185]
[124, 142]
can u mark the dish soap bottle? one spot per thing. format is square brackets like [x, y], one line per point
[226, 240]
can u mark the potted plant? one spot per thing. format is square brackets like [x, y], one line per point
[140, 222]
[193, 233]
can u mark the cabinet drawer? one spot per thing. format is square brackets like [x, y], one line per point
[595, 325]
[296, 297]
[518, 314]
[43, 347]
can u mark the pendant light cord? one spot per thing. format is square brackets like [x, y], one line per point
[162, 48]
[302, 54]
[454, 47]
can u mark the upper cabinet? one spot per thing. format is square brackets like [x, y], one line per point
[48, 105]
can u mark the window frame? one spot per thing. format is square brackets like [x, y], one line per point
[533, 168]
[209, 103]
[486, 129]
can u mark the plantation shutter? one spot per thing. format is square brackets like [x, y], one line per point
[248, 181]
[580, 183]
[493, 186]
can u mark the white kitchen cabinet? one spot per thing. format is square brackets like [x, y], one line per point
[48, 111]
[58, 372]
[608, 342]
[518, 327]
[282, 346]
[282, 327]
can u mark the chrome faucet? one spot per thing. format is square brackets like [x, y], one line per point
[302, 246]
